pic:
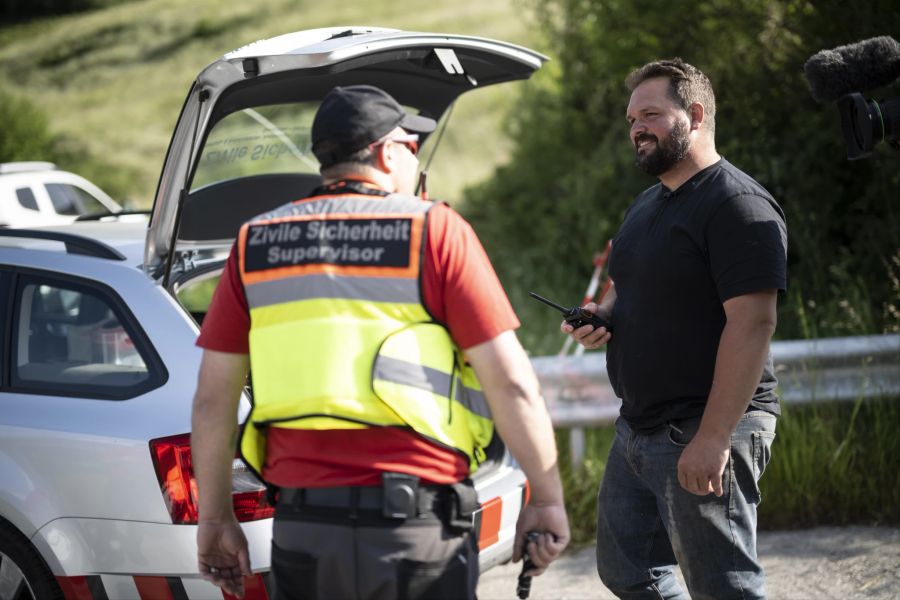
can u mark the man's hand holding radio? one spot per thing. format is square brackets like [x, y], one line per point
[588, 336]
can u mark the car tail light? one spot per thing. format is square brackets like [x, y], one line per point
[172, 460]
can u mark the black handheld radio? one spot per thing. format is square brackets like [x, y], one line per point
[576, 316]
[523, 587]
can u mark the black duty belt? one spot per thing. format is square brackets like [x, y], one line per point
[424, 501]
[400, 496]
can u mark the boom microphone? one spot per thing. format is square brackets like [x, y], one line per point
[864, 65]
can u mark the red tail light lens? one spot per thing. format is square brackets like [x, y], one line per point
[248, 494]
[172, 461]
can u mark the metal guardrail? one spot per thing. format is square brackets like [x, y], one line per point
[578, 392]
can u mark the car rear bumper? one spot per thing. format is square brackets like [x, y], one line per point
[502, 495]
[153, 587]
[95, 559]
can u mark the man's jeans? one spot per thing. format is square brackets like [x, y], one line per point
[646, 522]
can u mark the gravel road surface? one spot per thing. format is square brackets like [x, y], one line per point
[826, 563]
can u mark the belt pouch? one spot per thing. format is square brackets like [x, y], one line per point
[465, 503]
[399, 492]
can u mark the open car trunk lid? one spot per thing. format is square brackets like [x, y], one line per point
[242, 143]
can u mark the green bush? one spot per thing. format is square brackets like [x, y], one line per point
[24, 134]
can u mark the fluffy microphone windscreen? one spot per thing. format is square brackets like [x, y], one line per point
[865, 65]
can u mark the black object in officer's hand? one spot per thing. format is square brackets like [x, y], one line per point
[523, 588]
[576, 316]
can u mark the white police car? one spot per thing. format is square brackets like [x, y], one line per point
[98, 364]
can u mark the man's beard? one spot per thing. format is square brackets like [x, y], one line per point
[668, 152]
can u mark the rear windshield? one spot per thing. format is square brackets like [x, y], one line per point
[258, 141]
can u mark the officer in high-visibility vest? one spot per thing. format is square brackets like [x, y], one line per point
[384, 357]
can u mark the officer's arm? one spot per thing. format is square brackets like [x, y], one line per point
[214, 428]
[223, 558]
[522, 420]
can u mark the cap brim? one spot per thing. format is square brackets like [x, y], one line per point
[418, 123]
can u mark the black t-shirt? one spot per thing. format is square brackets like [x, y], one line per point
[678, 256]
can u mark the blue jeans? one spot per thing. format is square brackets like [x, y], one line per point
[647, 523]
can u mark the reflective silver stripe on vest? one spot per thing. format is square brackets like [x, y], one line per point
[309, 287]
[474, 401]
[394, 203]
[413, 375]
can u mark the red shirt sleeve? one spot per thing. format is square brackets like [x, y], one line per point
[226, 326]
[459, 285]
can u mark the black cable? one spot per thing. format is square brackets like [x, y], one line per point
[437, 143]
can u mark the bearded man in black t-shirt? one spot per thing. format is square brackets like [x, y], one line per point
[697, 266]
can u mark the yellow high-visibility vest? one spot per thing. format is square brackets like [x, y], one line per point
[339, 336]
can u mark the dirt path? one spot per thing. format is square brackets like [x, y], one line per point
[827, 563]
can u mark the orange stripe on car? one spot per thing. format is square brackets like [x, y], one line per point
[491, 513]
[75, 588]
[153, 588]
[254, 589]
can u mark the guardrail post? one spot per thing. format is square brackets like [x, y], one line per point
[576, 446]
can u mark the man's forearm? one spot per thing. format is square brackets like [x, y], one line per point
[214, 431]
[213, 449]
[519, 412]
[743, 350]
[526, 428]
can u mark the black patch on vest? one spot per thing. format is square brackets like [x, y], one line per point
[348, 242]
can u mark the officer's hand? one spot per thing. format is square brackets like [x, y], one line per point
[550, 521]
[586, 335]
[222, 555]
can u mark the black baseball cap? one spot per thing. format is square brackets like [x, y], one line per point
[354, 116]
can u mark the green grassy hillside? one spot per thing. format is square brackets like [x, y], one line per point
[112, 81]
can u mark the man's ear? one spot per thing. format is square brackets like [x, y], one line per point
[384, 159]
[696, 112]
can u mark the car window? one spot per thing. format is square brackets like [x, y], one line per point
[258, 141]
[26, 198]
[69, 338]
[72, 200]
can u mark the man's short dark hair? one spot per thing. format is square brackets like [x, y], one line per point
[687, 84]
[353, 162]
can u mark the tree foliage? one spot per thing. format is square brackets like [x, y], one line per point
[563, 194]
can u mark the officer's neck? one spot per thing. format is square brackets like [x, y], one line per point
[364, 174]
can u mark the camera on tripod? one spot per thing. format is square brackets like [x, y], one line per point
[842, 74]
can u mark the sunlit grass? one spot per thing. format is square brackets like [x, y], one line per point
[836, 464]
